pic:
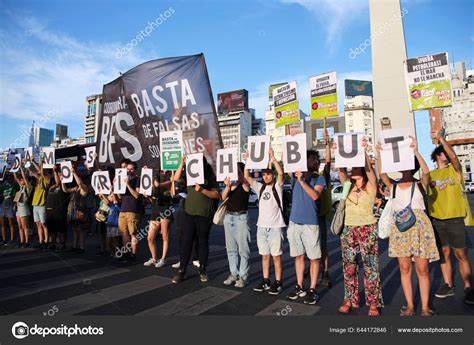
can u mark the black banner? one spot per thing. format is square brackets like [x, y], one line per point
[159, 95]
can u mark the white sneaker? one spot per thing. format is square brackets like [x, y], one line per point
[231, 279]
[196, 263]
[150, 262]
[176, 265]
[160, 263]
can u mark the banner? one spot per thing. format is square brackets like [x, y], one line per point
[120, 186]
[49, 158]
[349, 152]
[285, 101]
[66, 172]
[101, 182]
[171, 144]
[323, 89]
[160, 95]
[227, 164]
[294, 153]
[396, 154]
[90, 156]
[429, 82]
[258, 147]
[194, 169]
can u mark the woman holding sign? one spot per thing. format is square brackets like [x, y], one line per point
[22, 207]
[161, 216]
[360, 235]
[417, 242]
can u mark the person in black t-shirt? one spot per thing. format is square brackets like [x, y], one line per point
[56, 211]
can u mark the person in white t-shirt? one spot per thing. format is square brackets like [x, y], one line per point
[270, 223]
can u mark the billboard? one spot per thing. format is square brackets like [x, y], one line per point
[323, 89]
[232, 101]
[428, 82]
[285, 102]
[358, 88]
[270, 90]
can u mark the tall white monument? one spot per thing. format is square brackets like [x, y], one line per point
[391, 108]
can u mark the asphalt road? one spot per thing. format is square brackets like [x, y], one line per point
[49, 283]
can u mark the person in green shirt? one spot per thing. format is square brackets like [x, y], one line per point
[447, 210]
[197, 220]
[43, 179]
[8, 189]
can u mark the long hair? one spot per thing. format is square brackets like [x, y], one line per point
[365, 179]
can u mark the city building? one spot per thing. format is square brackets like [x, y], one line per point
[61, 132]
[43, 137]
[258, 124]
[359, 117]
[458, 120]
[68, 142]
[93, 112]
[235, 127]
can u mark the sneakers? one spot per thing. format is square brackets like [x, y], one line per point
[298, 292]
[276, 288]
[263, 286]
[196, 263]
[241, 283]
[445, 291]
[181, 276]
[176, 265]
[203, 276]
[468, 296]
[326, 282]
[160, 263]
[312, 297]
[231, 279]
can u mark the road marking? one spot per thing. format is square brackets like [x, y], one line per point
[80, 303]
[193, 303]
[47, 266]
[288, 308]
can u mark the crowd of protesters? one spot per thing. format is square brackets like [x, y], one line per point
[37, 196]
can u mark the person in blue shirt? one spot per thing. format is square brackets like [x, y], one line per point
[303, 230]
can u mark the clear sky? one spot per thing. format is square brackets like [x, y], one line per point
[54, 53]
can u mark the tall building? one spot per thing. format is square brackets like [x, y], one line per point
[235, 127]
[458, 120]
[43, 137]
[387, 40]
[258, 124]
[93, 112]
[359, 117]
[61, 132]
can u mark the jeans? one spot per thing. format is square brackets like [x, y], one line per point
[237, 240]
[195, 227]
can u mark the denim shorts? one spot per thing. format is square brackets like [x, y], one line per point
[39, 214]
[304, 238]
[269, 241]
[22, 209]
[6, 209]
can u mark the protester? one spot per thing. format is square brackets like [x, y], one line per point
[199, 209]
[131, 210]
[56, 205]
[39, 197]
[237, 231]
[447, 210]
[161, 216]
[8, 190]
[270, 224]
[77, 212]
[113, 204]
[360, 235]
[418, 243]
[23, 207]
[303, 230]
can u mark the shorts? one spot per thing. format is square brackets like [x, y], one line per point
[22, 209]
[323, 231]
[6, 209]
[112, 231]
[269, 241]
[128, 222]
[304, 238]
[39, 214]
[161, 212]
[450, 232]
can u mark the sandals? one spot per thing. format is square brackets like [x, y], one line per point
[374, 311]
[346, 308]
[405, 311]
[428, 312]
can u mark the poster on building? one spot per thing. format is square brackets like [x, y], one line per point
[428, 82]
[232, 101]
[285, 101]
[354, 88]
[162, 95]
[323, 90]
[171, 143]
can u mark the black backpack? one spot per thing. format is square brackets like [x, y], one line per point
[278, 201]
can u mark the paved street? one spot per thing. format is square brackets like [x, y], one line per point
[49, 283]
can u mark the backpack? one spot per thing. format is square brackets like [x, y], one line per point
[278, 201]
